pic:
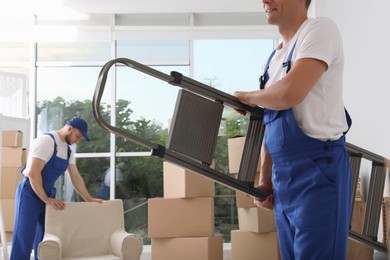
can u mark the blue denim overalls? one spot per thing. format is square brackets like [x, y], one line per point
[312, 186]
[30, 209]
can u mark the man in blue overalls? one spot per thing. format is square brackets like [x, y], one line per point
[303, 161]
[50, 157]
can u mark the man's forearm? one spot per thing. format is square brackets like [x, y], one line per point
[80, 187]
[36, 184]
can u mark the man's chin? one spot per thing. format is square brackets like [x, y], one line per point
[67, 140]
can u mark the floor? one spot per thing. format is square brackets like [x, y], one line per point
[146, 255]
[9, 250]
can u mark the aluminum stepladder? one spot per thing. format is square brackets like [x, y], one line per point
[197, 117]
[191, 100]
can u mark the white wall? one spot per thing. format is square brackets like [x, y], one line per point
[364, 26]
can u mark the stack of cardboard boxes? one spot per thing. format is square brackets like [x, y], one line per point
[12, 161]
[256, 238]
[181, 225]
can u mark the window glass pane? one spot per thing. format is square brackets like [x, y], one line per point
[92, 170]
[136, 217]
[142, 178]
[154, 52]
[73, 52]
[225, 212]
[229, 65]
[63, 93]
[14, 52]
[145, 104]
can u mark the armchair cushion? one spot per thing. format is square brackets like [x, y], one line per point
[88, 230]
[126, 245]
[51, 245]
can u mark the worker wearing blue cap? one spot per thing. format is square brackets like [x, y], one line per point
[49, 158]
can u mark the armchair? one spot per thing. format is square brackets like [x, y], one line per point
[88, 230]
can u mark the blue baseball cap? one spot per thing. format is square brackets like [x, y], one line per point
[81, 125]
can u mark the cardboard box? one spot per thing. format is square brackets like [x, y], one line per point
[13, 138]
[182, 183]
[8, 209]
[235, 149]
[8, 237]
[13, 157]
[9, 181]
[181, 217]
[256, 220]
[188, 248]
[254, 246]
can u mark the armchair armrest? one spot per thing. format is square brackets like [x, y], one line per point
[126, 245]
[50, 248]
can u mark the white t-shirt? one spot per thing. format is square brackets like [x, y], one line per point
[43, 148]
[321, 115]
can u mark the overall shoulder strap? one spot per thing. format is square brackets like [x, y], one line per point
[55, 145]
[289, 58]
[265, 77]
[54, 140]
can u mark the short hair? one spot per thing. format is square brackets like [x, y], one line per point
[308, 3]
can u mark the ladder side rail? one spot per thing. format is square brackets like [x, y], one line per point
[374, 201]
[362, 239]
[205, 90]
[142, 68]
[213, 174]
[251, 152]
[96, 107]
[365, 153]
